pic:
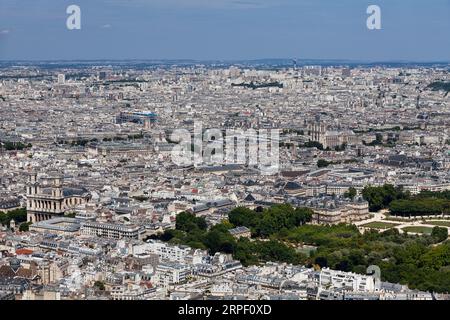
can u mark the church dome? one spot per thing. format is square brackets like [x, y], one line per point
[14, 264]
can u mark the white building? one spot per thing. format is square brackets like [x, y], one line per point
[349, 281]
[168, 274]
[110, 230]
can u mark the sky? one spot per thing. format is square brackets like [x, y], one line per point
[411, 30]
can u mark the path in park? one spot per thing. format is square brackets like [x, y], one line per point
[381, 217]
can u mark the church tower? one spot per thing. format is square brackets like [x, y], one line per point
[57, 191]
[33, 185]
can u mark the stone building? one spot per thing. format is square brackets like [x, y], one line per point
[334, 212]
[319, 132]
[330, 210]
[45, 201]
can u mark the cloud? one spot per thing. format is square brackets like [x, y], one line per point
[106, 26]
[5, 31]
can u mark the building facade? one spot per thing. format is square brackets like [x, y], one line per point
[45, 202]
[110, 230]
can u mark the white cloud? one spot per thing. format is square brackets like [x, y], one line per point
[5, 31]
[106, 26]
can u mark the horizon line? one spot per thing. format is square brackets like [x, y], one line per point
[368, 61]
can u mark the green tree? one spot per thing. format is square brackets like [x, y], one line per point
[321, 261]
[321, 163]
[242, 216]
[19, 215]
[218, 241]
[188, 222]
[381, 197]
[99, 285]
[440, 234]
[351, 193]
[313, 144]
[24, 227]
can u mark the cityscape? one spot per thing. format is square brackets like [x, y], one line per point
[93, 207]
[234, 179]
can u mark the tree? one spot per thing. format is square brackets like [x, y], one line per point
[187, 222]
[303, 216]
[381, 197]
[99, 285]
[419, 206]
[9, 146]
[440, 234]
[242, 216]
[321, 261]
[218, 241]
[341, 147]
[245, 252]
[351, 193]
[313, 144]
[321, 163]
[19, 215]
[403, 258]
[24, 227]
[272, 220]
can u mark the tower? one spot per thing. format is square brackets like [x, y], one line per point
[32, 192]
[316, 129]
[33, 185]
[61, 78]
[57, 188]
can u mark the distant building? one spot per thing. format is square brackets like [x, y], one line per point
[142, 118]
[319, 132]
[102, 75]
[61, 78]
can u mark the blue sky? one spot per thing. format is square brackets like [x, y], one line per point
[413, 30]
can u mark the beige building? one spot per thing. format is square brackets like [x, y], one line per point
[45, 201]
[330, 139]
[335, 213]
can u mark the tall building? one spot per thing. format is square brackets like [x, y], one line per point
[316, 131]
[102, 75]
[47, 201]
